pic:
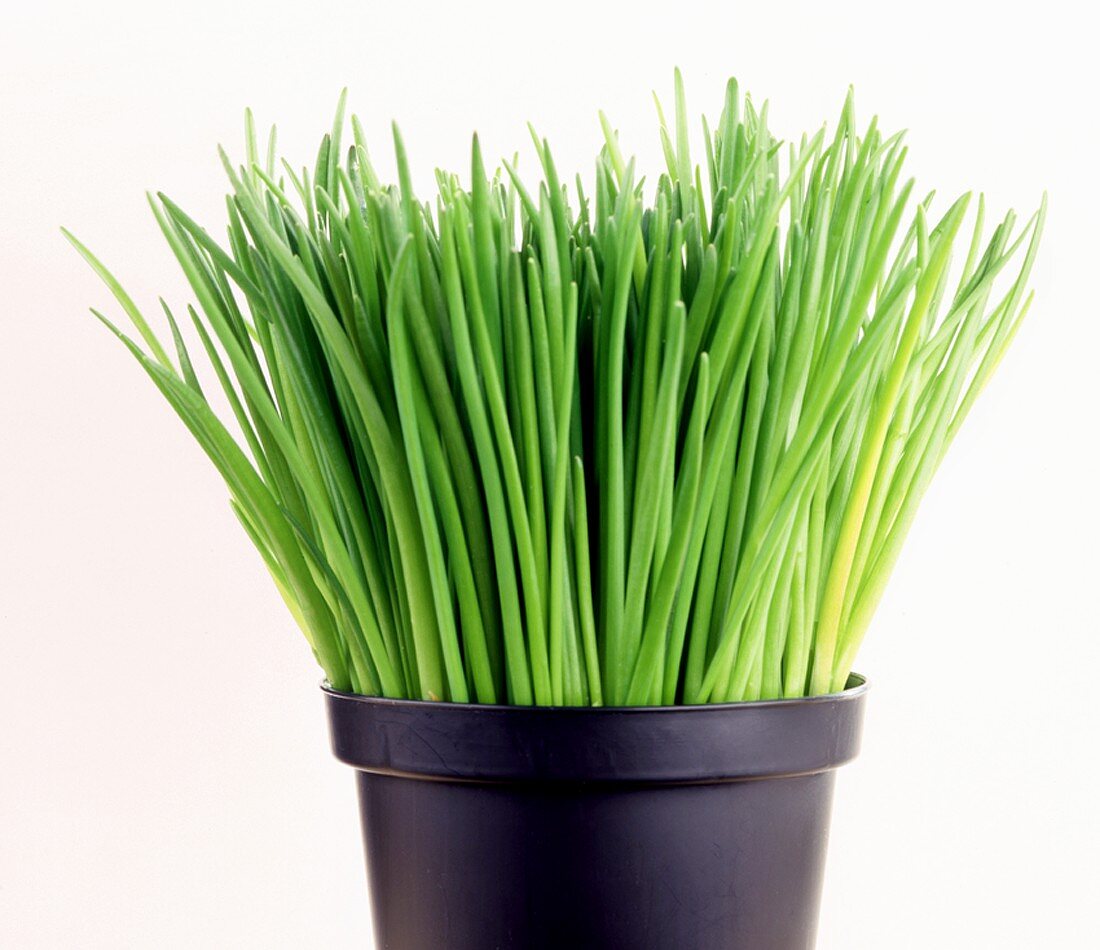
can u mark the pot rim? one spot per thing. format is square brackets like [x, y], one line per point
[857, 687]
[640, 745]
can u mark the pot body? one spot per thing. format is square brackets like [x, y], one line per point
[669, 828]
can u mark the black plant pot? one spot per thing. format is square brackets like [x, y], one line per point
[662, 828]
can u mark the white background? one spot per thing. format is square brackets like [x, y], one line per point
[165, 780]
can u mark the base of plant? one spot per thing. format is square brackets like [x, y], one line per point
[525, 828]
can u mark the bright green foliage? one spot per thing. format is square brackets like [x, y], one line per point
[524, 444]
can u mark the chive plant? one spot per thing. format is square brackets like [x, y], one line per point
[536, 443]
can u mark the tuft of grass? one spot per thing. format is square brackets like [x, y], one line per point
[531, 443]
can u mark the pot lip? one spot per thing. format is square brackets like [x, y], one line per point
[631, 744]
[649, 745]
[857, 688]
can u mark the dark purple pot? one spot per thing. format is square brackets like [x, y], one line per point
[660, 828]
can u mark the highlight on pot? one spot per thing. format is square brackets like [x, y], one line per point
[591, 441]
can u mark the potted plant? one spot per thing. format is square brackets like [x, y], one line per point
[583, 496]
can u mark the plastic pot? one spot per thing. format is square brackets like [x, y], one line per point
[656, 828]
